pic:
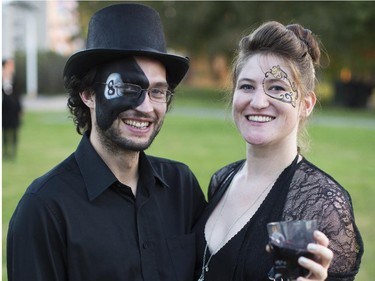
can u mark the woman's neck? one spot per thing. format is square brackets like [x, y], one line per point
[268, 162]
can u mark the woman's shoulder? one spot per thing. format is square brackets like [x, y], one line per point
[314, 193]
[227, 169]
[313, 176]
[222, 176]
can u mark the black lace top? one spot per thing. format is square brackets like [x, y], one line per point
[302, 191]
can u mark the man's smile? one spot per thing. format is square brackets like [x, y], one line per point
[136, 124]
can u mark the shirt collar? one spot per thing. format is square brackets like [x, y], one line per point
[146, 168]
[96, 174]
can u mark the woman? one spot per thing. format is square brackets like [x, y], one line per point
[273, 94]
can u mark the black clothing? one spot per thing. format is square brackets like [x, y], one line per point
[11, 107]
[11, 114]
[78, 223]
[302, 191]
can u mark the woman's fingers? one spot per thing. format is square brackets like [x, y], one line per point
[322, 259]
[322, 254]
[317, 271]
[320, 238]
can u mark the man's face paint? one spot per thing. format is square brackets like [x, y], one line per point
[277, 85]
[109, 101]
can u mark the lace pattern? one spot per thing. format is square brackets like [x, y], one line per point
[315, 195]
[309, 194]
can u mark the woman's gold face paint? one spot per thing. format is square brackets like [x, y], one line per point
[277, 85]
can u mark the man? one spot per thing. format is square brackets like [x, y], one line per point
[109, 212]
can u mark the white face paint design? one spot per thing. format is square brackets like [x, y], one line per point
[125, 121]
[111, 102]
[110, 92]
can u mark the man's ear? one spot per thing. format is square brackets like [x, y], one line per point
[88, 98]
[308, 104]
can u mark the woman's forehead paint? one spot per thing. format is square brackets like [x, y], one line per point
[291, 94]
[109, 103]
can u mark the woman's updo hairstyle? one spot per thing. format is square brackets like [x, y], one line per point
[293, 43]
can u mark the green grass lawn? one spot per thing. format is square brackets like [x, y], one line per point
[205, 144]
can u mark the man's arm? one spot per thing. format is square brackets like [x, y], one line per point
[35, 243]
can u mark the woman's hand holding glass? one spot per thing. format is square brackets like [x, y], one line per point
[322, 259]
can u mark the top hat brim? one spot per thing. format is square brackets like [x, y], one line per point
[83, 61]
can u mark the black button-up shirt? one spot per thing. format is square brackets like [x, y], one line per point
[79, 223]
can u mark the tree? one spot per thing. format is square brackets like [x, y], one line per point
[208, 28]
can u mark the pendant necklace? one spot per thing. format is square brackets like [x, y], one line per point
[206, 264]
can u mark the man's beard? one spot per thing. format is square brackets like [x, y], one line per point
[113, 141]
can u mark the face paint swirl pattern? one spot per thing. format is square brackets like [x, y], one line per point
[277, 85]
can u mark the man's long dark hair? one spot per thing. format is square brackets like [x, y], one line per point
[80, 112]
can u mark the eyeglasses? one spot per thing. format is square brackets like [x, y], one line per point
[158, 95]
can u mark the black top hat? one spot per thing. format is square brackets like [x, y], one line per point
[122, 30]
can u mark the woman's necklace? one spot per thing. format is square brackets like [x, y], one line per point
[206, 264]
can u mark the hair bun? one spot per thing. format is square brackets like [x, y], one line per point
[308, 39]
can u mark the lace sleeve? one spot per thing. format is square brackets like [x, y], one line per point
[315, 195]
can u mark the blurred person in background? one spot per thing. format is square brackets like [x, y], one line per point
[11, 110]
[273, 80]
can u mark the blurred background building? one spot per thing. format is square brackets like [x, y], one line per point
[56, 23]
[30, 27]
